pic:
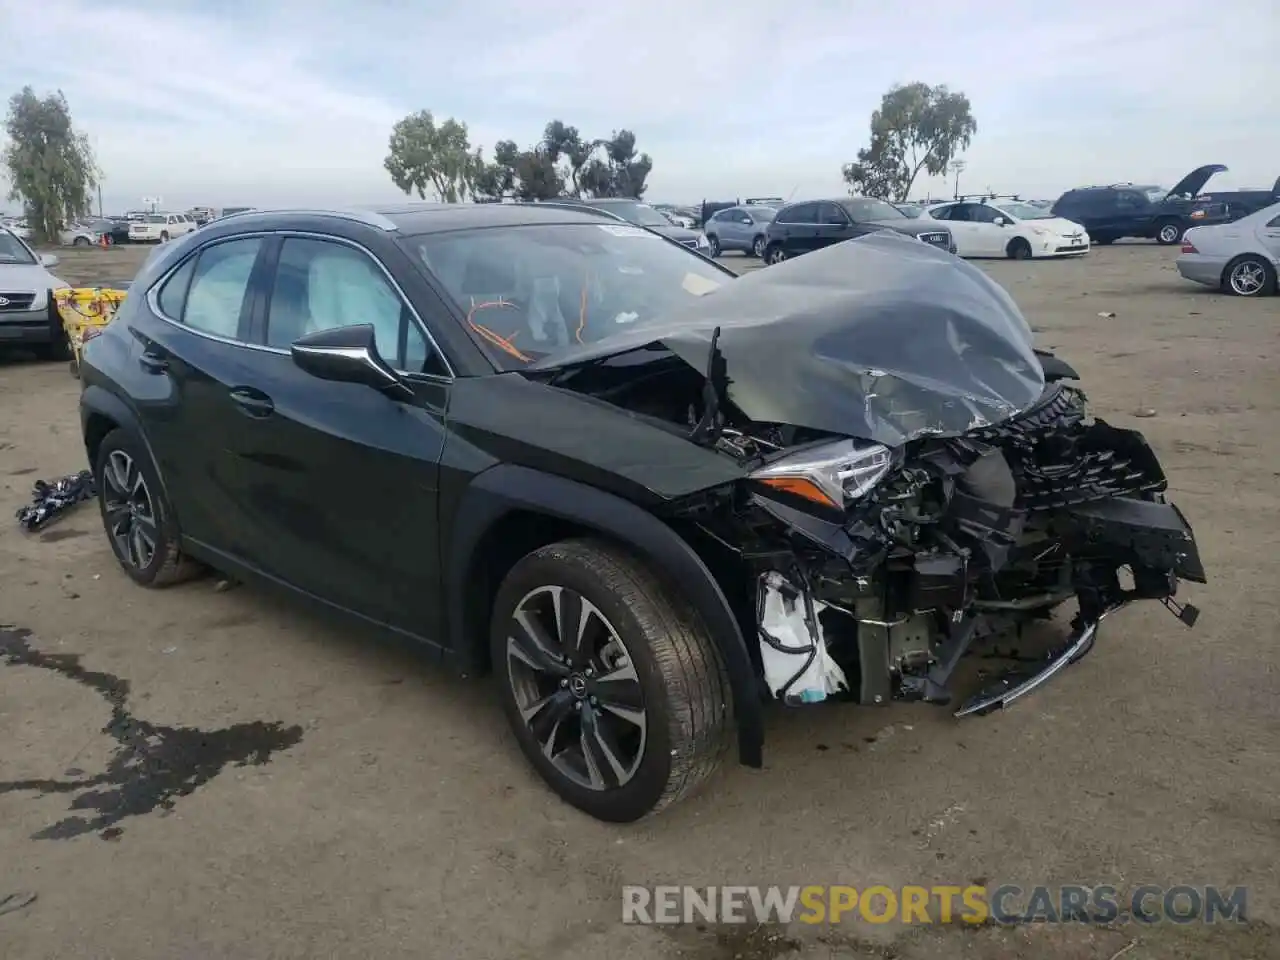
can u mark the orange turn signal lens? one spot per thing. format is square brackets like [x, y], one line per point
[800, 487]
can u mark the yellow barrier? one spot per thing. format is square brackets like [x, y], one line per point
[83, 308]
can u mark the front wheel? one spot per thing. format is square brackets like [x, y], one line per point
[164, 236]
[774, 254]
[1019, 249]
[1249, 276]
[713, 242]
[80, 242]
[614, 689]
[757, 248]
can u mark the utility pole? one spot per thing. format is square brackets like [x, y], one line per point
[99, 199]
[957, 167]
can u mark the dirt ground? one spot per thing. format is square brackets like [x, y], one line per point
[200, 773]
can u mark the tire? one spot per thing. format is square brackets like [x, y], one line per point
[1018, 249]
[757, 247]
[128, 481]
[714, 242]
[676, 675]
[1169, 232]
[774, 254]
[80, 242]
[1249, 276]
[58, 349]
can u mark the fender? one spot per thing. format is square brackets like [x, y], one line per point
[507, 487]
[102, 402]
[1055, 368]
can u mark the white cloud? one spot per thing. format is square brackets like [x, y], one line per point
[292, 101]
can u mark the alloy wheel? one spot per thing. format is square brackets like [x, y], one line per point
[1247, 278]
[1169, 233]
[757, 248]
[129, 510]
[778, 255]
[576, 688]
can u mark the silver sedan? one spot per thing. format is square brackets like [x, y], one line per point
[1240, 258]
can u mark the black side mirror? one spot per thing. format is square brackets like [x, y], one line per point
[349, 355]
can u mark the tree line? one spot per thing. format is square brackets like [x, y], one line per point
[917, 129]
[426, 156]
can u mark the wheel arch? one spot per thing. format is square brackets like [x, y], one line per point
[1272, 273]
[509, 510]
[102, 412]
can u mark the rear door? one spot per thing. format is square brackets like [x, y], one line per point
[1269, 234]
[344, 478]
[991, 237]
[194, 354]
[834, 225]
[964, 230]
[797, 227]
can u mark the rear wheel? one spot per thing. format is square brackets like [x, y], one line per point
[614, 689]
[140, 525]
[1249, 276]
[1018, 249]
[1169, 232]
[774, 254]
[164, 236]
[757, 247]
[80, 242]
[714, 243]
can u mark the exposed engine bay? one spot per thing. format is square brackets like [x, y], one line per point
[875, 570]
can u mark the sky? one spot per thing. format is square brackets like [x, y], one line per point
[291, 102]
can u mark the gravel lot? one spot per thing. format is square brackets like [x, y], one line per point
[394, 817]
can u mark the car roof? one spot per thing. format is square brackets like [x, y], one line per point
[416, 218]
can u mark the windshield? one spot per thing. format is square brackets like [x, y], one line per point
[911, 209]
[1155, 194]
[13, 250]
[865, 208]
[529, 292]
[1025, 211]
[635, 212]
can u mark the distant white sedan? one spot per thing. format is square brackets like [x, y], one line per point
[1240, 258]
[1009, 228]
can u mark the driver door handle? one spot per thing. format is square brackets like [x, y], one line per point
[252, 402]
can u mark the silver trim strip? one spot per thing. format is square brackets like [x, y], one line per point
[153, 298]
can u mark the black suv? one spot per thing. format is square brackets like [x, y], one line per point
[812, 224]
[1145, 211]
[648, 494]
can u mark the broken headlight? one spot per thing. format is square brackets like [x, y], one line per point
[833, 475]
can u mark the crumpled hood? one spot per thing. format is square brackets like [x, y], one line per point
[26, 278]
[882, 337]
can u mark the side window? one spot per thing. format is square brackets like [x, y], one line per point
[981, 213]
[800, 213]
[322, 284]
[942, 213]
[829, 214]
[1129, 200]
[960, 213]
[742, 216]
[219, 285]
[173, 295]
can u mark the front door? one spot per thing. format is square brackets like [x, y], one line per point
[797, 227]
[344, 477]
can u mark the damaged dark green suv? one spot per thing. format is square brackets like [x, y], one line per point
[648, 495]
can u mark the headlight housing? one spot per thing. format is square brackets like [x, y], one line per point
[833, 475]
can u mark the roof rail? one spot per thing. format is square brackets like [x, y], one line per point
[988, 196]
[580, 205]
[367, 217]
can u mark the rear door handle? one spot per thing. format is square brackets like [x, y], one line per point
[153, 363]
[252, 402]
